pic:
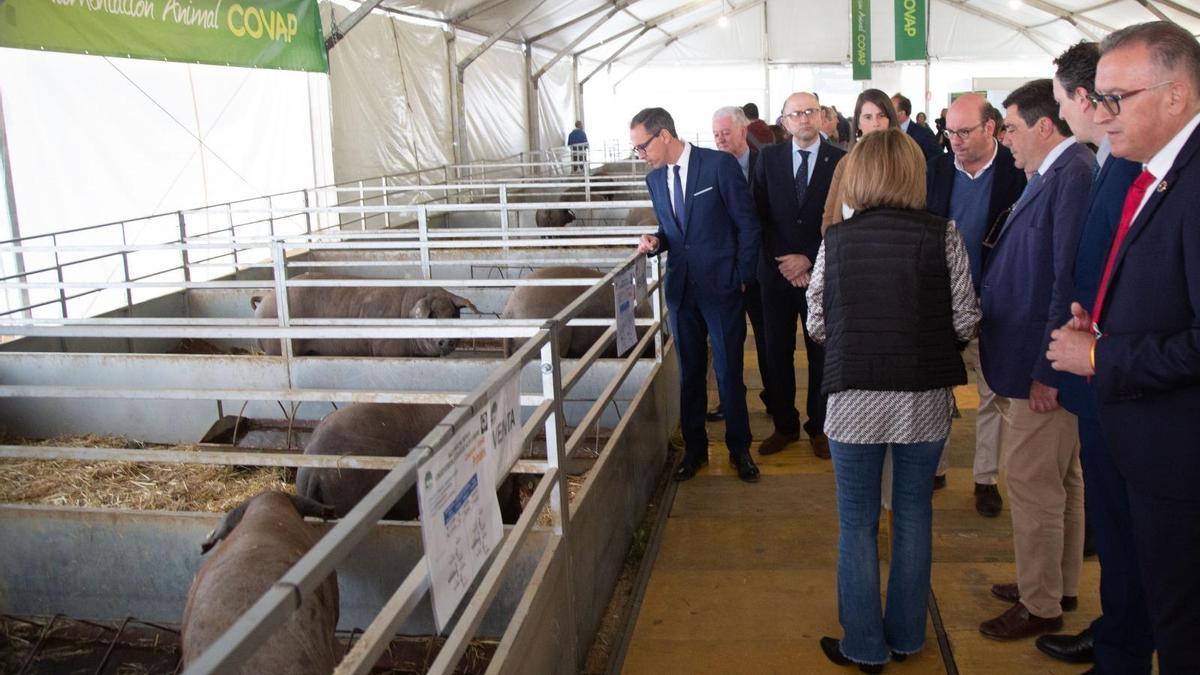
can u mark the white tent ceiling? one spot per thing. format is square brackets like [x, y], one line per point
[794, 31]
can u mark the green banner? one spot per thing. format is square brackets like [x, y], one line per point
[283, 34]
[910, 30]
[860, 38]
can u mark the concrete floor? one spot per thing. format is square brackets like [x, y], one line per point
[745, 577]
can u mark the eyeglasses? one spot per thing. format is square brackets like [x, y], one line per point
[1112, 102]
[640, 149]
[963, 133]
[992, 236]
[807, 113]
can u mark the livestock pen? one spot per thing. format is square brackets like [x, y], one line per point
[71, 371]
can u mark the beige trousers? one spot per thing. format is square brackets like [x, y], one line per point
[1039, 454]
[987, 424]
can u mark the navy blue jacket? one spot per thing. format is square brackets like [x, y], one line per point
[716, 249]
[1148, 362]
[924, 138]
[1105, 202]
[1007, 184]
[788, 226]
[1027, 278]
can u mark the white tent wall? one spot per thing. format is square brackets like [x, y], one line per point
[118, 139]
[494, 100]
[390, 97]
[556, 101]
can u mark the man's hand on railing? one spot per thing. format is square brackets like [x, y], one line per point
[648, 244]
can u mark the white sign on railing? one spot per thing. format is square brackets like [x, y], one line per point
[503, 428]
[625, 292]
[460, 517]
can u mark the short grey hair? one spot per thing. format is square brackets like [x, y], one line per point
[731, 111]
[1171, 47]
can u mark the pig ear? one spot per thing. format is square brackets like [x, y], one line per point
[423, 309]
[461, 302]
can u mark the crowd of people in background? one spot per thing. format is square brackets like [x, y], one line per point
[1048, 245]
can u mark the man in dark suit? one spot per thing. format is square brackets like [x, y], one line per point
[972, 186]
[729, 133]
[791, 182]
[1145, 361]
[1026, 293]
[706, 220]
[920, 133]
[1120, 640]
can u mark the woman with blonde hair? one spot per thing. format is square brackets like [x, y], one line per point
[891, 298]
[872, 112]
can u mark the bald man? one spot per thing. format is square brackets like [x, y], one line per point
[973, 185]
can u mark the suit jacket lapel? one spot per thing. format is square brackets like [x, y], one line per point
[1034, 191]
[820, 169]
[693, 169]
[1186, 155]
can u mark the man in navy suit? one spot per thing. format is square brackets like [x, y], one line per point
[729, 133]
[1119, 641]
[973, 185]
[919, 132]
[706, 220]
[1144, 349]
[1026, 294]
[791, 182]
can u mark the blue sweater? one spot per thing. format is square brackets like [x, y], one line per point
[968, 209]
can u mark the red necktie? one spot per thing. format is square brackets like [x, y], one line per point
[1133, 199]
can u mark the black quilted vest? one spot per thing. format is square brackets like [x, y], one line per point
[888, 314]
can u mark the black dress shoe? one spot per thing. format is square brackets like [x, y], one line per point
[833, 651]
[987, 500]
[746, 468]
[715, 415]
[1069, 648]
[688, 468]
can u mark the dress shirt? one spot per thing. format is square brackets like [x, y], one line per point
[1160, 164]
[812, 157]
[904, 125]
[1103, 152]
[683, 167]
[744, 162]
[985, 167]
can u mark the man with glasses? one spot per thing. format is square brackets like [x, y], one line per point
[1026, 288]
[1140, 342]
[791, 182]
[972, 186]
[1120, 640]
[706, 220]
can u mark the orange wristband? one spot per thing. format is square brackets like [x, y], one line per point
[1093, 354]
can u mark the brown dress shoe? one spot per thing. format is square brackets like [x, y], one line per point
[987, 500]
[1017, 623]
[777, 441]
[1009, 593]
[820, 445]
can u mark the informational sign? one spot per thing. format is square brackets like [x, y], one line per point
[625, 292]
[460, 517]
[639, 277]
[503, 426]
[860, 39]
[284, 34]
[910, 30]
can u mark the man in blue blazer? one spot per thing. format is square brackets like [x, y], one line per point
[1119, 641]
[1026, 295]
[972, 185]
[1146, 360]
[921, 134]
[706, 220]
[791, 182]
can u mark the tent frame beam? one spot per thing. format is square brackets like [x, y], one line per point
[339, 30]
[1007, 23]
[701, 25]
[650, 24]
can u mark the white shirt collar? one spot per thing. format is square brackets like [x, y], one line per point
[683, 158]
[985, 167]
[1053, 155]
[1103, 151]
[904, 125]
[812, 149]
[1164, 159]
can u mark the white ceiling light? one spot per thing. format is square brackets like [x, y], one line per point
[1015, 4]
[723, 22]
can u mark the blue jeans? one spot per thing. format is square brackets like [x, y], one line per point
[870, 633]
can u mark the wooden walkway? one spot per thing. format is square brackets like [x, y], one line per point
[745, 576]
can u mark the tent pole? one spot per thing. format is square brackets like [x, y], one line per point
[14, 227]
[531, 107]
[767, 109]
